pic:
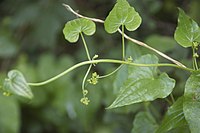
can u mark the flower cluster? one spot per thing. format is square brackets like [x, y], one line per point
[94, 79]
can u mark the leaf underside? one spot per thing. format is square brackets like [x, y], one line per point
[17, 85]
[122, 14]
[73, 28]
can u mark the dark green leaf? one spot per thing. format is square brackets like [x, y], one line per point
[7, 47]
[187, 30]
[173, 118]
[122, 14]
[17, 85]
[144, 123]
[144, 84]
[162, 43]
[73, 28]
[191, 103]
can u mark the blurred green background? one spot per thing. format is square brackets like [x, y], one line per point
[31, 40]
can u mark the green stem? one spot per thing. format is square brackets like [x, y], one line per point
[172, 97]
[85, 45]
[168, 101]
[146, 106]
[194, 59]
[123, 44]
[107, 61]
[107, 75]
[85, 77]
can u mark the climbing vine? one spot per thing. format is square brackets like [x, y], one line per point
[144, 81]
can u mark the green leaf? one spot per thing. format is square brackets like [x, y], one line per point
[17, 85]
[144, 84]
[10, 115]
[73, 28]
[187, 30]
[7, 47]
[173, 118]
[122, 14]
[162, 43]
[144, 123]
[191, 103]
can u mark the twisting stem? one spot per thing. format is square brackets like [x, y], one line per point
[123, 44]
[168, 101]
[85, 77]
[85, 45]
[107, 75]
[172, 97]
[194, 58]
[81, 16]
[106, 61]
[127, 37]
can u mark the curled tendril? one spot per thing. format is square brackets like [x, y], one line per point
[85, 92]
[94, 79]
[95, 57]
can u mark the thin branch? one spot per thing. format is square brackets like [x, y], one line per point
[81, 16]
[127, 37]
[106, 61]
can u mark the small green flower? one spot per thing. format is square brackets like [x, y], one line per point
[85, 100]
[195, 55]
[94, 79]
[196, 44]
[130, 59]
[7, 93]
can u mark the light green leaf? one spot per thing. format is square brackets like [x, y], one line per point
[144, 123]
[187, 30]
[144, 84]
[173, 118]
[122, 14]
[17, 85]
[121, 75]
[191, 103]
[10, 115]
[73, 28]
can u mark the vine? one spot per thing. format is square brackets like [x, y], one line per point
[144, 83]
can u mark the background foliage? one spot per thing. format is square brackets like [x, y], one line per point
[31, 40]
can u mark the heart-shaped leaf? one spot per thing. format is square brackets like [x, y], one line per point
[173, 118]
[187, 30]
[144, 84]
[191, 103]
[17, 85]
[73, 28]
[122, 14]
